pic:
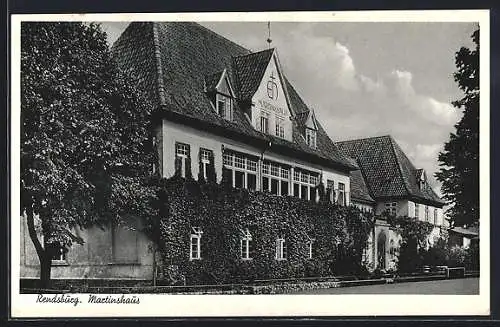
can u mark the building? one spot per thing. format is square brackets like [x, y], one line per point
[216, 101]
[387, 181]
[219, 103]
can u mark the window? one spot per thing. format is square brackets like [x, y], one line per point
[311, 137]
[391, 208]
[304, 184]
[309, 245]
[58, 254]
[206, 158]
[341, 198]
[280, 249]
[275, 178]
[182, 152]
[330, 187]
[427, 213]
[224, 106]
[195, 249]
[246, 244]
[435, 216]
[242, 170]
[280, 129]
[264, 122]
[417, 209]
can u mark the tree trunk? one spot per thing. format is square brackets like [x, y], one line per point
[43, 256]
[45, 269]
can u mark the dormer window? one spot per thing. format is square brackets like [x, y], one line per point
[311, 137]
[421, 179]
[224, 106]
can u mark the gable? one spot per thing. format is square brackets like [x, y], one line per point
[270, 97]
[224, 86]
[311, 121]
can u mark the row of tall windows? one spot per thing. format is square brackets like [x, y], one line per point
[246, 246]
[242, 172]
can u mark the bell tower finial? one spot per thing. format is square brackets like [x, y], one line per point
[269, 35]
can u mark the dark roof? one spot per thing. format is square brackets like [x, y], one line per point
[387, 170]
[212, 80]
[176, 60]
[359, 189]
[251, 69]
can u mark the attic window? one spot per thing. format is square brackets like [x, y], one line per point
[224, 106]
[311, 137]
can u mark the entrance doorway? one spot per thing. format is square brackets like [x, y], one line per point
[381, 250]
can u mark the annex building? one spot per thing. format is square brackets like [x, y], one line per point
[219, 103]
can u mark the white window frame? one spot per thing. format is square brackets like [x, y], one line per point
[427, 215]
[245, 245]
[435, 216]
[280, 126]
[227, 101]
[240, 162]
[275, 171]
[341, 195]
[182, 150]
[264, 117]
[196, 233]
[311, 137]
[280, 249]
[304, 178]
[417, 210]
[205, 155]
[309, 244]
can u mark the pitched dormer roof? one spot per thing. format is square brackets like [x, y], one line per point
[177, 61]
[387, 170]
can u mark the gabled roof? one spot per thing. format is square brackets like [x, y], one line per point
[387, 170]
[251, 69]
[176, 60]
[472, 231]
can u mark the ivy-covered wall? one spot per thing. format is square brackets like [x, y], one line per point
[339, 234]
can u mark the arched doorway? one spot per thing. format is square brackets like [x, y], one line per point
[381, 250]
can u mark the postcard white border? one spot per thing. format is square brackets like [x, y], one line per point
[23, 305]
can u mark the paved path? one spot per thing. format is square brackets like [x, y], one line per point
[463, 286]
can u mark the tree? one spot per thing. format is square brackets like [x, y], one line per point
[459, 161]
[86, 149]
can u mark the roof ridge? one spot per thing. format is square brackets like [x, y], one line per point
[253, 53]
[159, 69]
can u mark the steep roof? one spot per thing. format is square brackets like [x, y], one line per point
[359, 189]
[176, 60]
[387, 170]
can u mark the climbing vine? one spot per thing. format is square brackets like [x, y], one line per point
[338, 234]
[414, 234]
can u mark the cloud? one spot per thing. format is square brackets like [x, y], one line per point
[352, 104]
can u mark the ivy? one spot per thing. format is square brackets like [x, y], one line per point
[414, 234]
[223, 213]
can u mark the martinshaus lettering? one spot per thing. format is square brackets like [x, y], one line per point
[58, 298]
[109, 299]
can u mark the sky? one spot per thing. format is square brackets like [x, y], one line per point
[366, 79]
